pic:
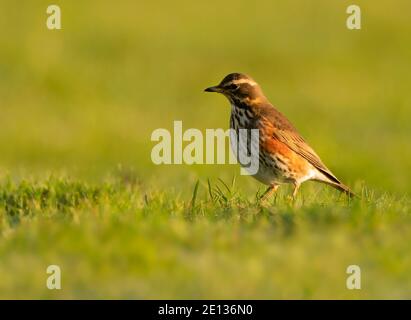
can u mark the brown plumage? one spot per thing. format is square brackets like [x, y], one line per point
[284, 156]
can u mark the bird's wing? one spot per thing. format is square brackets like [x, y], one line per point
[287, 134]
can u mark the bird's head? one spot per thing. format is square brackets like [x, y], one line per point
[239, 87]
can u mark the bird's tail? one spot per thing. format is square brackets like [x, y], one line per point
[341, 187]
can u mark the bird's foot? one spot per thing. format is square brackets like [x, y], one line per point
[267, 194]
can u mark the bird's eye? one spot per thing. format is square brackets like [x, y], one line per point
[232, 87]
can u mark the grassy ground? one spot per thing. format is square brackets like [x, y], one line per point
[119, 240]
[78, 188]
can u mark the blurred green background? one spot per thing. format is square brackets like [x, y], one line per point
[82, 102]
[87, 97]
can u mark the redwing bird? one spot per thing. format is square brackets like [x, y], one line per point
[284, 156]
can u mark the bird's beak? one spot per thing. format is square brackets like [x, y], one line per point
[214, 89]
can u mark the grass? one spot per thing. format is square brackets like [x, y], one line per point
[78, 187]
[119, 240]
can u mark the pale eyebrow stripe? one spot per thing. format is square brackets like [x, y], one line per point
[240, 81]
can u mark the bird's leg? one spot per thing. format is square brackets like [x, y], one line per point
[296, 187]
[270, 190]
